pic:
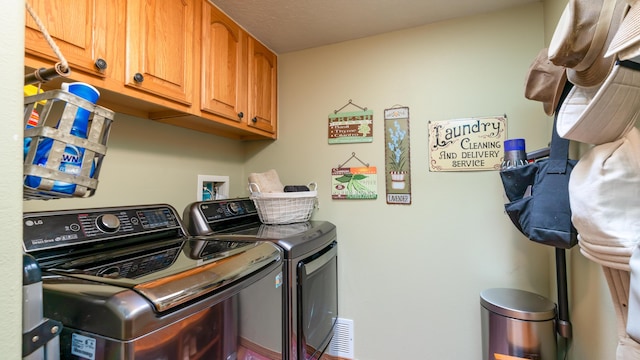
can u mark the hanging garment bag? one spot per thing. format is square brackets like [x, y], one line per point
[538, 195]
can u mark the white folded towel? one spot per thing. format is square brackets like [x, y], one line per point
[267, 182]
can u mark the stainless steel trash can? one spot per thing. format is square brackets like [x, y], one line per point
[517, 323]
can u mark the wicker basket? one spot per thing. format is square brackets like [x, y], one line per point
[57, 111]
[284, 207]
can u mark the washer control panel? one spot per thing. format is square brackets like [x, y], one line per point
[54, 229]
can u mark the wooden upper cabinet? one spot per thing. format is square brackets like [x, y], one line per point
[224, 66]
[263, 87]
[239, 74]
[80, 30]
[182, 62]
[160, 48]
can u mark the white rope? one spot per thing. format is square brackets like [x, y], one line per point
[63, 65]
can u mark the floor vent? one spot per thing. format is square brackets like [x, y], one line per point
[342, 343]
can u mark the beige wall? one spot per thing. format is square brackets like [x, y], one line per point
[410, 276]
[11, 107]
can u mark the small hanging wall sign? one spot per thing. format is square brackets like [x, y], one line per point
[467, 144]
[397, 160]
[354, 183]
[351, 127]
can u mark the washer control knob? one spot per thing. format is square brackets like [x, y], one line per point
[108, 223]
[233, 207]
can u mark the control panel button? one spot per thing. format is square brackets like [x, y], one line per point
[108, 223]
[234, 207]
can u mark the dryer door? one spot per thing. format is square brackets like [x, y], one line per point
[317, 306]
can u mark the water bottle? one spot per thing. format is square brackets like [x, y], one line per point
[514, 154]
[71, 161]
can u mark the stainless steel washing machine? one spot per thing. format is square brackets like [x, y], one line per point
[310, 273]
[129, 283]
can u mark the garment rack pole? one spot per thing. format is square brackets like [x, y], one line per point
[564, 325]
[43, 75]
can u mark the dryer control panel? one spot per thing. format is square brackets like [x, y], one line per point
[227, 209]
[218, 216]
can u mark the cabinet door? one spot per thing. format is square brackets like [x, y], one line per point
[160, 47]
[224, 66]
[78, 28]
[262, 87]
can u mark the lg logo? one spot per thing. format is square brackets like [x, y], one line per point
[33, 222]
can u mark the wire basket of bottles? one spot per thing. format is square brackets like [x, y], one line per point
[65, 142]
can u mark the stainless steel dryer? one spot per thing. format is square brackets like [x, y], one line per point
[129, 283]
[310, 272]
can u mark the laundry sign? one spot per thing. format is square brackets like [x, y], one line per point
[467, 144]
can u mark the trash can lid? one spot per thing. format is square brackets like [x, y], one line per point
[518, 304]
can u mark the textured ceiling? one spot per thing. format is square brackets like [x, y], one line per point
[291, 25]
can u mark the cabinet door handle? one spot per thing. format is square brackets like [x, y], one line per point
[240, 115]
[101, 64]
[254, 119]
[138, 78]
